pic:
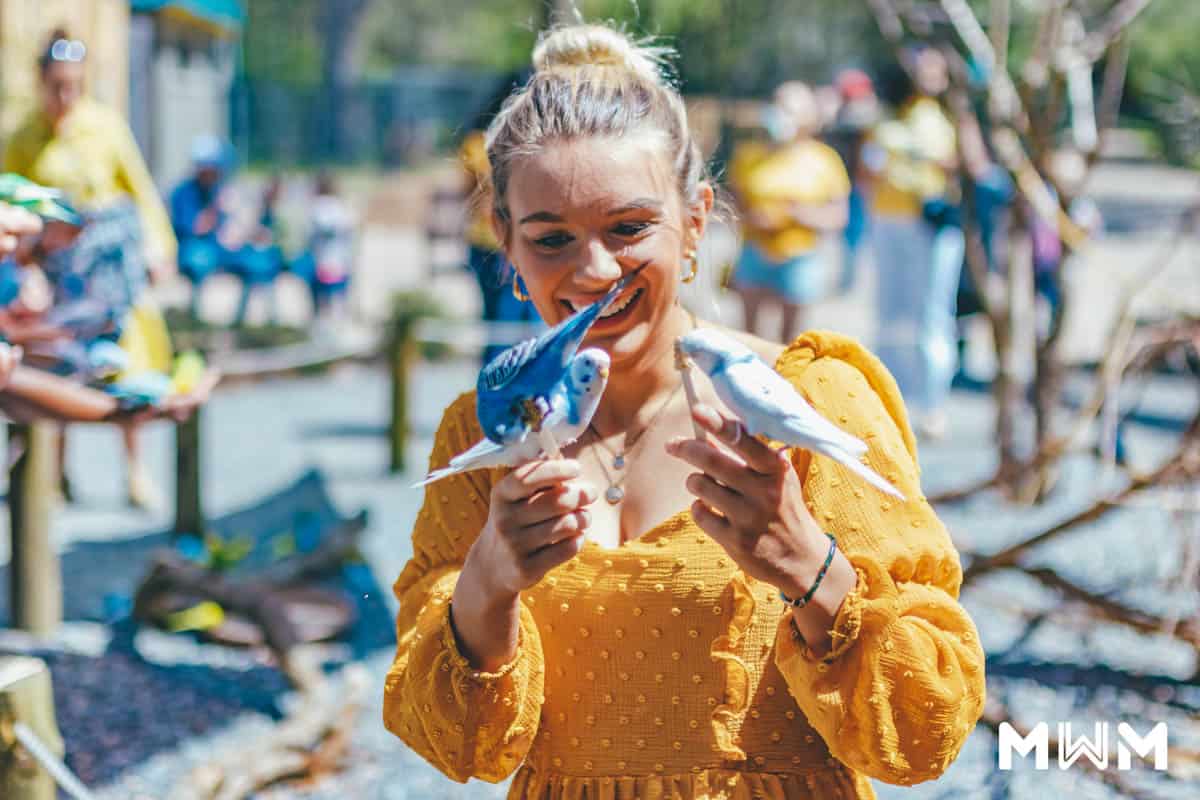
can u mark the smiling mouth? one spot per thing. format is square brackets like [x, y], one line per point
[612, 309]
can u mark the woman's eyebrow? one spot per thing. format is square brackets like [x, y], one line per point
[641, 204]
[541, 216]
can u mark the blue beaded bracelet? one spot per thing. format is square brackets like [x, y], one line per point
[801, 602]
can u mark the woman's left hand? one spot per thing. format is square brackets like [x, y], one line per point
[752, 503]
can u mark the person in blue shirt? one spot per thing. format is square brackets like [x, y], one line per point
[198, 214]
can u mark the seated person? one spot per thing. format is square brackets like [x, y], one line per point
[199, 212]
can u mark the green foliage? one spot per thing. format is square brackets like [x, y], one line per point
[726, 46]
[280, 43]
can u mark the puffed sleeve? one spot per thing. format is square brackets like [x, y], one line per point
[465, 722]
[903, 685]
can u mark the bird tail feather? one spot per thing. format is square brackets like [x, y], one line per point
[435, 476]
[836, 436]
[852, 463]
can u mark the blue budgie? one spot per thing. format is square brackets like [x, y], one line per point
[572, 403]
[512, 393]
[770, 406]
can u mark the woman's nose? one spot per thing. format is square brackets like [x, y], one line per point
[600, 266]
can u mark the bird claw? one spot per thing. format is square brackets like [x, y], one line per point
[534, 411]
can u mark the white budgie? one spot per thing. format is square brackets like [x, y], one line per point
[770, 406]
[572, 403]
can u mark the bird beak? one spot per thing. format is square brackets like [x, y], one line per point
[604, 372]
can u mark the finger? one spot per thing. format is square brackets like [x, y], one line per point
[731, 432]
[554, 502]
[711, 522]
[527, 479]
[553, 531]
[550, 557]
[728, 468]
[729, 502]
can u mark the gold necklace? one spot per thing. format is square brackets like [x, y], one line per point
[615, 494]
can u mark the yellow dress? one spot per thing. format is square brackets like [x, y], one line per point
[657, 670]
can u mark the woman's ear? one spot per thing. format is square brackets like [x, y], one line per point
[699, 211]
[499, 229]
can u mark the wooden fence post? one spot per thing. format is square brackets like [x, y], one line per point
[189, 510]
[401, 356]
[26, 696]
[36, 577]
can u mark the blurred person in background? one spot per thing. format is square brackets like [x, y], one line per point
[918, 239]
[199, 210]
[257, 258]
[858, 112]
[789, 193]
[327, 262]
[502, 297]
[73, 143]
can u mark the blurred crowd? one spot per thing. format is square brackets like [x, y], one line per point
[874, 165]
[85, 234]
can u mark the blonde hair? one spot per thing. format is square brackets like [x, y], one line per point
[592, 80]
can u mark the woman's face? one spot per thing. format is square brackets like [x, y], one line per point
[587, 211]
[62, 86]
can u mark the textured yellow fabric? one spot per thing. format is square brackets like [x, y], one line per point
[473, 155]
[656, 670]
[916, 144]
[94, 159]
[769, 180]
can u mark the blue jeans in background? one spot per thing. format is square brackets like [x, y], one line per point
[857, 228]
[919, 270]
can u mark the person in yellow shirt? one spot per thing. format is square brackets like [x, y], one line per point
[918, 243]
[74, 143]
[789, 194]
[634, 643]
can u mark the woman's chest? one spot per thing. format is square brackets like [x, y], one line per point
[634, 623]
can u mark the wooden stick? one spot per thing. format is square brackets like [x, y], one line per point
[684, 365]
[549, 444]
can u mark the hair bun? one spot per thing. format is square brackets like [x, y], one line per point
[576, 46]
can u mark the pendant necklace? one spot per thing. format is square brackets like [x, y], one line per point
[615, 493]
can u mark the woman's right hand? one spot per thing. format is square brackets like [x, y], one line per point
[536, 520]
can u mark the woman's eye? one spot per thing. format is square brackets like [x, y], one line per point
[553, 241]
[630, 228]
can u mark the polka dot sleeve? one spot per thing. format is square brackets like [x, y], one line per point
[465, 722]
[903, 686]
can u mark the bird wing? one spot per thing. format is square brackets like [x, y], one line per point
[501, 370]
[770, 405]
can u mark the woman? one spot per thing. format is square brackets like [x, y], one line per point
[75, 144]
[636, 645]
[789, 195]
[918, 240]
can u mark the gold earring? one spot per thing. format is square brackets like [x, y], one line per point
[695, 267]
[516, 289]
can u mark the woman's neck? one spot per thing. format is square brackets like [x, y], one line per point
[641, 382]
